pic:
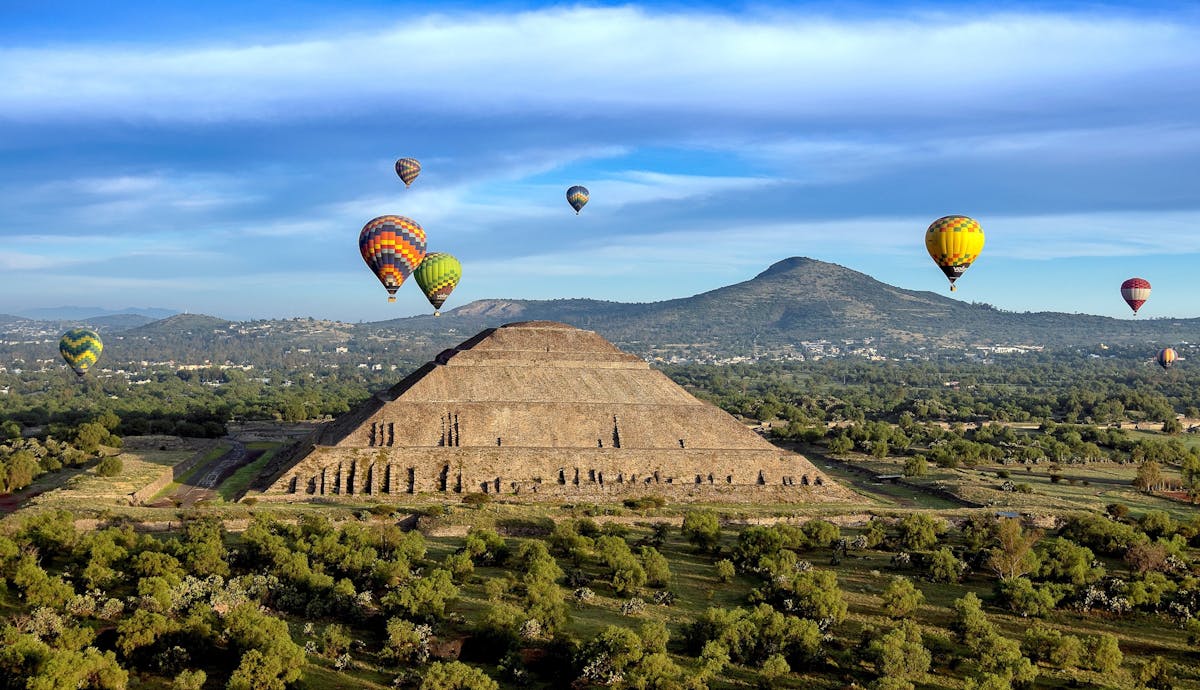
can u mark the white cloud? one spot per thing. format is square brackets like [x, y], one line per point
[594, 60]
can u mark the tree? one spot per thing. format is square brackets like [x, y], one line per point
[945, 567]
[1014, 555]
[900, 653]
[700, 527]
[1002, 657]
[919, 531]
[658, 571]
[1104, 653]
[258, 671]
[815, 595]
[423, 598]
[110, 466]
[1149, 476]
[1157, 523]
[1065, 561]
[190, 680]
[1027, 599]
[1157, 673]
[1145, 557]
[142, 629]
[916, 466]
[971, 623]
[774, 668]
[725, 570]
[901, 598]
[335, 640]
[405, 642]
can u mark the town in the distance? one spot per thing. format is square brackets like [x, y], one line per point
[823, 493]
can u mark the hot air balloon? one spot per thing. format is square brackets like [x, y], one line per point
[1135, 291]
[954, 242]
[577, 196]
[392, 246]
[1166, 358]
[437, 275]
[408, 169]
[80, 347]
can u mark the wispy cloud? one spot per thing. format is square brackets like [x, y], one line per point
[620, 59]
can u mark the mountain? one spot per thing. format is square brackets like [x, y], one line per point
[803, 299]
[192, 325]
[89, 314]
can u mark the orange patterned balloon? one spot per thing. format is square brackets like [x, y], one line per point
[392, 246]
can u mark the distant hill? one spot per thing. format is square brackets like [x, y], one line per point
[801, 299]
[90, 314]
[195, 325]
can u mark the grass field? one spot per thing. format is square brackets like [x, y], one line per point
[212, 454]
[88, 490]
[239, 480]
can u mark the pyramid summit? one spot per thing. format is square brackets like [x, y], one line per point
[540, 410]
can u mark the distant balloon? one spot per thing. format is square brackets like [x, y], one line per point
[577, 197]
[1166, 358]
[437, 275]
[392, 246]
[408, 169]
[80, 347]
[1135, 291]
[954, 242]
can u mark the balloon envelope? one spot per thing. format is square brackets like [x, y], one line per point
[954, 242]
[1166, 357]
[408, 169]
[1135, 291]
[437, 275]
[392, 246]
[577, 196]
[80, 347]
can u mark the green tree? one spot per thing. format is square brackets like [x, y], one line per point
[900, 653]
[405, 642]
[423, 598]
[916, 466]
[901, 598]
[944, 566]
[700, 527]
[971, 623]
[110, 466]
[190, 680]
[772, 670]
[1104, 654]
[658, 571]
[1149, 476]
[725, 570]
[919, 531]
[1014, 555]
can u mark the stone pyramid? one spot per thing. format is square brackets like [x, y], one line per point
[542, 411]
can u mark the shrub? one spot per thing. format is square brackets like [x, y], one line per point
[645, 502]
[476, 499]
[725, 570]
[110, 466]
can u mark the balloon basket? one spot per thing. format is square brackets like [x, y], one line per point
[391, 298]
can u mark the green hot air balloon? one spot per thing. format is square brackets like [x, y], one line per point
[80, 347]
[437, 275]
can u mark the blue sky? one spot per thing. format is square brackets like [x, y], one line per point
[222, 157]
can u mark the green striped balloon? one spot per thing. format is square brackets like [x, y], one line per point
[437, 275]
[80, 347]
